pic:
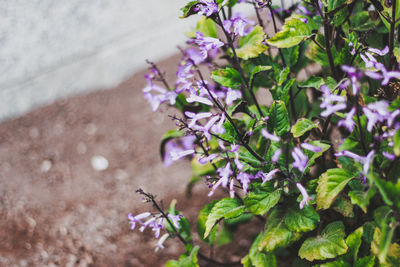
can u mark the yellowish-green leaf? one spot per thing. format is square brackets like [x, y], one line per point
[302, 126]
[251, 45]
[328, 245]
[276, 233]
[330, 184]
[293, 32]
[226, 208]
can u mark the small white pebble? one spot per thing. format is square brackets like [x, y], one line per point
[46, 165]
[99, 163]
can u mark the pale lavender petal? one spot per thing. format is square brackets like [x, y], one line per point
[310, 147]
[270, 136]
[276, 155]
[194, 98]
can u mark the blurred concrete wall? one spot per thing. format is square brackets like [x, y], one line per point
[53, 49]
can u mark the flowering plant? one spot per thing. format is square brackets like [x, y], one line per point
[319, 165]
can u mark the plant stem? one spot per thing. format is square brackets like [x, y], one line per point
[238, 67]
[258, 15]
[328, 47]
[271, 10]
[220, 107]
[391, 35]
[180, 237]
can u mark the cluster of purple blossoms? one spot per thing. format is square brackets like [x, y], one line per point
[206, 7]
[155, 222]
[331, 102]
[238, 25]
[365, 161]
[155, 94]
[178, 148]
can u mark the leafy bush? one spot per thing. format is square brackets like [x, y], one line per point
[320, 164]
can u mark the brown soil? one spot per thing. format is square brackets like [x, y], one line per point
[56, 210]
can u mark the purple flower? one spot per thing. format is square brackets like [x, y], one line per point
[206, 7]
[238, 23]
[161, 241]
[206, 44]
[195, 98]
[365, 161]
[195, 117]
[177, 155]
[389, 156]
[224, 174]
[306, 197]
[330, 102]
[195, 55]
[244, 178]
[266, 176]
[231, 188]
[218, 128]
[276, 155]
[232, 95]
[170, 146]
[354, 75]
[348, 122]
[300, 159]
[175, 219]
[304, 20]
[269, 136]
[137, 219]
[315, 149]
[376, 112]
[207, 159]
[379, 52]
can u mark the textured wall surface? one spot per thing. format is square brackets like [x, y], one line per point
[53, 49]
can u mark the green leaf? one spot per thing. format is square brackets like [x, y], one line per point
[199, 169]
[390, 192]
[207, 26]
[291, 55]
[260, 201]
[302, 220]
[251, 45]
[330, 184]
[388, 253]
[276, 233]
[367, 261]
[228, 77]
[225, 208]
[353, 241]
[230, 134]
[361, 21]
[396, 53]
[283, 75]
[396, 140]
[279, 117]
[361, 198]
[256, 70]
[302, 126]
[312, 82]
[338, 263]
[328, 245]
[201, 224]
[188, 9]
[343, 206]
[257, 258]
[293, 32]
[185, 261]
[168, 136]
